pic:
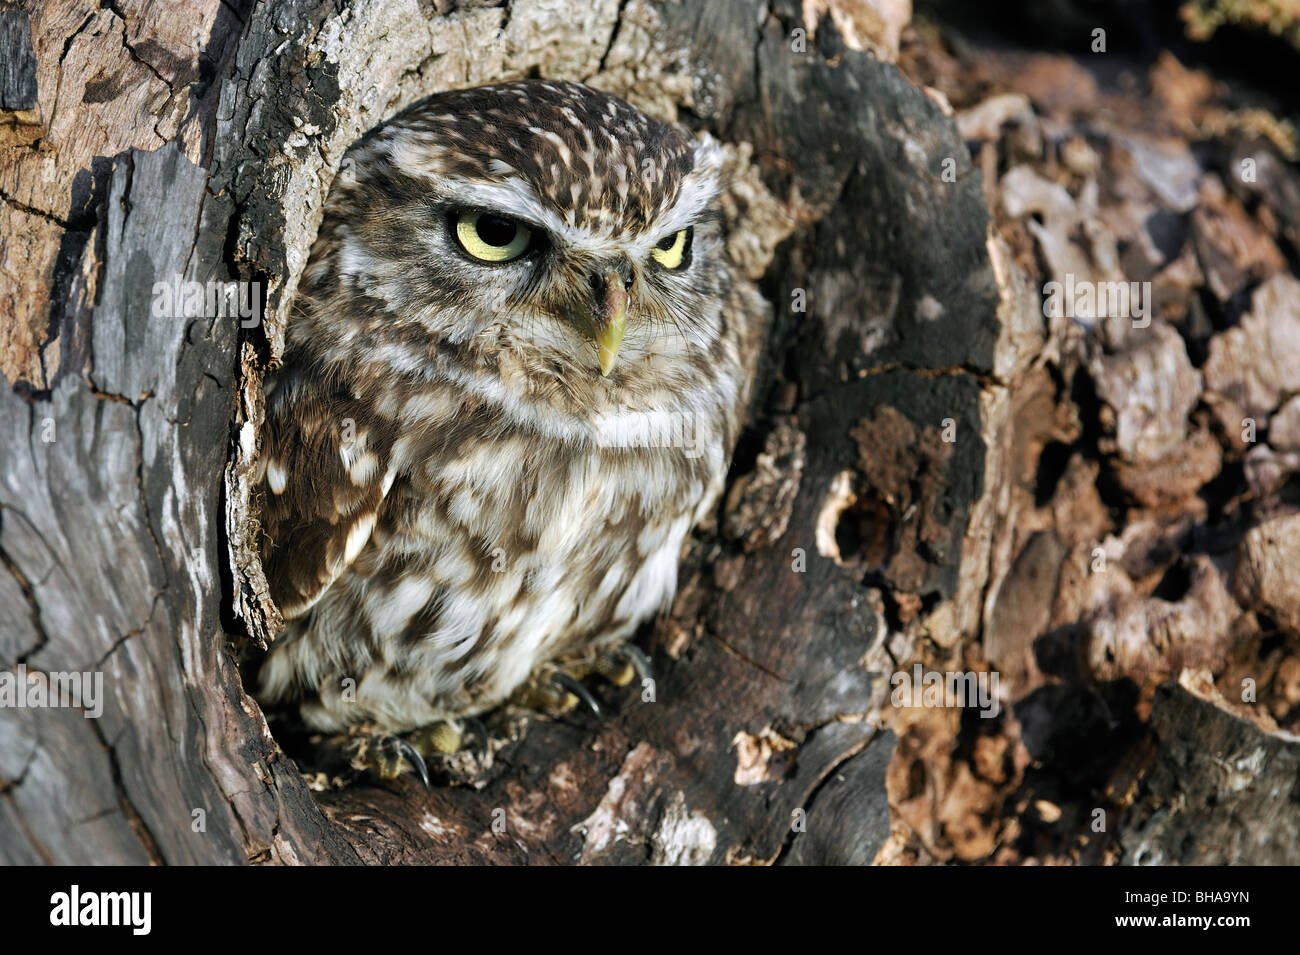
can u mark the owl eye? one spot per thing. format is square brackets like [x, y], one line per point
[673, 251]
[491, 238]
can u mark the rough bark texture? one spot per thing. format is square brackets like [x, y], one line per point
[197, 141]
[1219, 790]
[1138, 518]
[115, 519]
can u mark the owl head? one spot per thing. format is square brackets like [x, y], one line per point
[546, 229]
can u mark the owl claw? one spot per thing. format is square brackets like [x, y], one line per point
[559, 688]
[620, 665]
[474, 727]
[567, 683]
[640, 662]
[388, 757]
[412, 755]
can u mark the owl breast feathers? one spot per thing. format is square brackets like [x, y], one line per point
[514, 375]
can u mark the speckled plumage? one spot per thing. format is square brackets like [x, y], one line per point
[454, 493]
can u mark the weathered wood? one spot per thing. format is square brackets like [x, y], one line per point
[17, 66]
[1137, 517]
[132, 549]
[110, 518]
[893, 498]
[1219, 790]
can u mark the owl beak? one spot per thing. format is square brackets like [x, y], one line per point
[610, 318]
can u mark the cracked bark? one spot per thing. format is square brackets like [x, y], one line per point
[135, 551]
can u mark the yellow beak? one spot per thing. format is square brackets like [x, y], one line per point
[609, 322]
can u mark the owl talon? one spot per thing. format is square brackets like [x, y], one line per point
[613, 666]
[474, 728]
[390, 756]
[640, 662]
[620, 665]
[417, 761]
[570, 685]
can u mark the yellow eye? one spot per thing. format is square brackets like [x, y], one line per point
[673, 250]
[491, 238]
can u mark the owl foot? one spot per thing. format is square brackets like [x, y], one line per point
[567, 685]
[560, 689]
[389, 756]
[475, 729]
[621, 664]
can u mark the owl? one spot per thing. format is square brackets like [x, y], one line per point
[513, 377]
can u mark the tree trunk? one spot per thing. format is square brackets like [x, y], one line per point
[195, 142]
[126, 535]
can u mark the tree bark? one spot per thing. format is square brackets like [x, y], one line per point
[1219, 791]
[859, 523]
[125, 534]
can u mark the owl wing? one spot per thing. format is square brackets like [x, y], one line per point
[327, 464]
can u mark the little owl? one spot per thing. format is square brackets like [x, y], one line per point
[514, 374]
